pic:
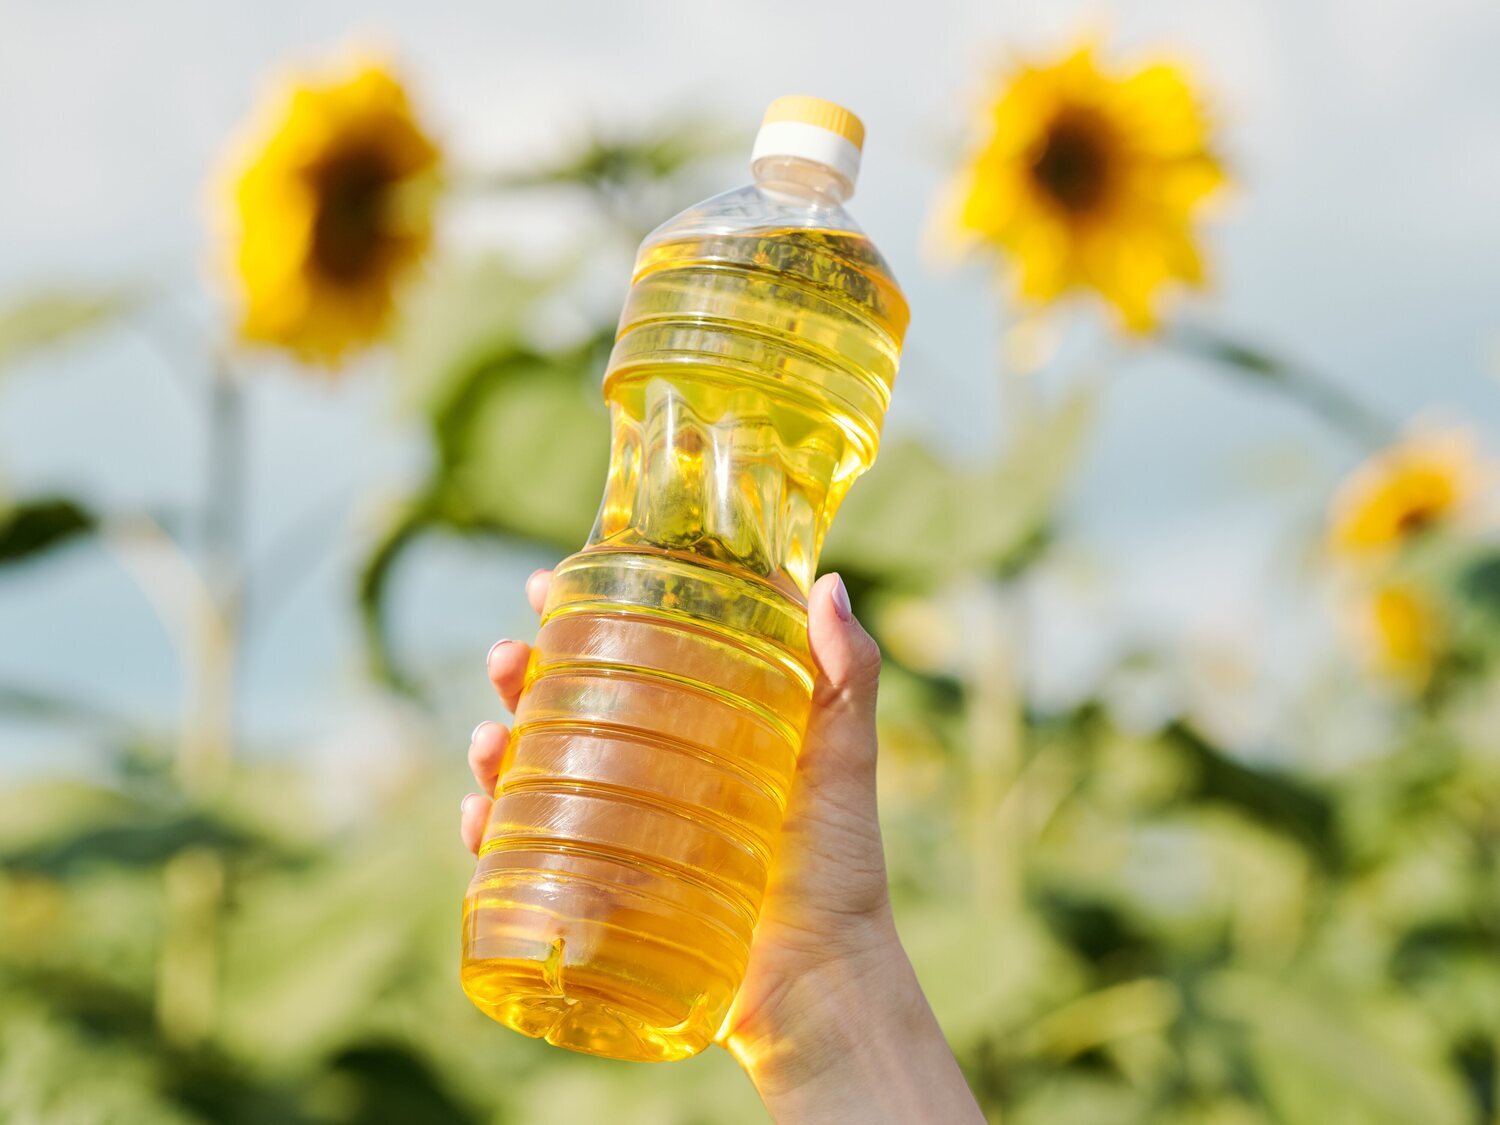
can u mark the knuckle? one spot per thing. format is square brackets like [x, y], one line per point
[865, 666]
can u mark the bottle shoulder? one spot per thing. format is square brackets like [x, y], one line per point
[754, 208]
[761, 228]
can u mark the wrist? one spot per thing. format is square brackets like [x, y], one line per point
[828, 1026]
[852, 1038]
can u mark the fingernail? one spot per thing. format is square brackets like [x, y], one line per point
[463, 806]
[473, 734]
[493, 648]
[841, 599]
[534, 573]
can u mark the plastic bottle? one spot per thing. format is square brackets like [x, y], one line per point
[643, 790]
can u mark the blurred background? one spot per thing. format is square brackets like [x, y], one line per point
[1181, 545]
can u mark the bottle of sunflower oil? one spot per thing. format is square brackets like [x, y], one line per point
[643, 790]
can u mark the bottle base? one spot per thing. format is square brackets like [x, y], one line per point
[593, 1017]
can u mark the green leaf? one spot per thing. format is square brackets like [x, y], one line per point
[460, 316]
[523, 451]
[1097, 930]
[47, 706]
[31, 813]
[529, 450]
[32, 527]
[211, 1084]
[388, 1082]
[374, 591]
[916, 519]
[1277, 801]
[902, 519]
[1479, 583]
[146, 841]
[520, 433]
[43, 319]
[629, 162]
[1332, 1059]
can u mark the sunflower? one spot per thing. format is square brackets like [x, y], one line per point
[1090, 181]
[332, 195]
[1402, 633]
[1423, 481]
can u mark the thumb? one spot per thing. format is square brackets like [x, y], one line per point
[841, 727]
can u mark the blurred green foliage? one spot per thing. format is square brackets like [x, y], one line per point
[43, 319]
[1115, 925]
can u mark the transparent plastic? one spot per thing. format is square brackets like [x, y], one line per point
[642, 794]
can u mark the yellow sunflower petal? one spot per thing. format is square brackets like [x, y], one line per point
[1426, 480]
[1164, 117]
[1089, 180]
[332, 207]
[1403, 632]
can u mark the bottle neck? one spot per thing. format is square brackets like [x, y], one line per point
[799, 178]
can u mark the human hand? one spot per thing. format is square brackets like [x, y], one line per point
[830, 1022]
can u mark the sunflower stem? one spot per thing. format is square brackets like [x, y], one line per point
[1311, 389]
[993, 706]
[187, 997]
[994, 729]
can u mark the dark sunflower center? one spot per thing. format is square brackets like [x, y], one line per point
[1072, 163]
[1419, 517]
[348, 233]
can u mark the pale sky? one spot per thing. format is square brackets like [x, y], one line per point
[1363, 237]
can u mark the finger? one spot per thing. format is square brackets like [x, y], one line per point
[506, 664]
[472, 815]
[841, 728]
[536, 588]
[486, 751]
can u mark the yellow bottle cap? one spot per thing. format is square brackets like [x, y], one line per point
[811, 129]
[816, 111]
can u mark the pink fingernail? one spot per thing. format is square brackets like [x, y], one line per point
[841, 600]
[463, 806]
[474, 734]
[497, 645]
